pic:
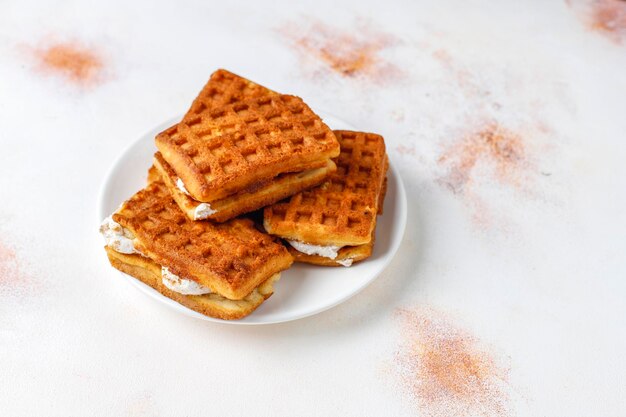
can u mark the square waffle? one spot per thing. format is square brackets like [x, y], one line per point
[245, 201]
[342, 211]
[231, 259]
[346, 255]
[220, 149]
[223, 88]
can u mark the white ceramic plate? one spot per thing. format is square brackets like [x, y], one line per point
[303, 290]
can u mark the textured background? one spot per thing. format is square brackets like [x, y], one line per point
[506, 120]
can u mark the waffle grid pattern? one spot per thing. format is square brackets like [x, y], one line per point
[224, 88]
[230, 250]
[348, 201]
[238, 137]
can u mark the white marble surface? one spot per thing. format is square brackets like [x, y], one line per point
[535, 270]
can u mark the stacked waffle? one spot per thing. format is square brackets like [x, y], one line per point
[242, 147]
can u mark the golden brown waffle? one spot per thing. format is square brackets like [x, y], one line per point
[383, 193]
[245, 201]
[213, 305]
[153, 174]
[342, 211]
[223, 88]
[346, 256]
[225, 149]
[230, 258]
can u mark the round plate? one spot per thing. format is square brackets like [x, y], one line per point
[303, 290]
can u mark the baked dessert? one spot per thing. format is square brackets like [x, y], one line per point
[334, 224]
[237, 138]
[223, 270]
[250, 199]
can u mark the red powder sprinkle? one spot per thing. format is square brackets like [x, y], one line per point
[405, 150]
[465, 78]
[605, 16]
[11, 276]
[350, 53]
[493, 145]
[76, 63]
[609, 16]
[445, 370]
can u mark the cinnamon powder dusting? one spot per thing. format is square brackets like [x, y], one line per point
[605, 16]
[609, 17]
[75, 63]
[12, 277]
[446, 371]
[351, 53]
[492, 145]
[405, 150]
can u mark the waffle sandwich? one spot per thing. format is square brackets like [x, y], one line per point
[249, 199]
[245, 144]
[221, 270]
[334, 224]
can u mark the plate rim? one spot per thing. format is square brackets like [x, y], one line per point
[154, 294]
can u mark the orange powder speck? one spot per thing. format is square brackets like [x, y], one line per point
[609, 16]
[605, 16]
[446, 371]
[11, 276]
[74, 62]
[350, 53]
[493, 145]
[405, 150]
[465, 78]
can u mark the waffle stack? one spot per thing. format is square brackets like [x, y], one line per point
[242, 149]
[239, 148]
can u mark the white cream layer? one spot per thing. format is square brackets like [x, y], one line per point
[120, 240]
[181, 186]
[345, 262]
[117, 237]
[203, 210]
[325, 251]
[182, 285]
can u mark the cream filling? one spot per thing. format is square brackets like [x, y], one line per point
[181, 186]
[345, 262]
[325, 251]
[117, 237]
[182, 285]
[202, 210]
